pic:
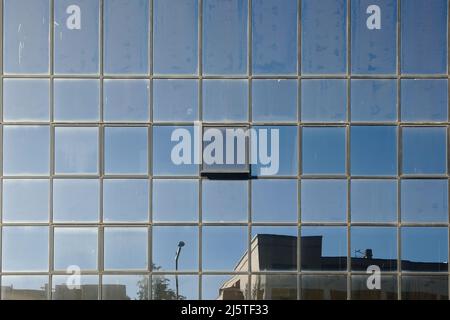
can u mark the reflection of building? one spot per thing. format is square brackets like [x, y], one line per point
[279, 253]
[62, 292]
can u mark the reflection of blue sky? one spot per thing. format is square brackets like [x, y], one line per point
[125, 248]
[129, 281]
[125, 36]
[126, 150]
[373, 200]
[424, 100]
[77, 52]
[216, 256]
[373, 150]
[274, 100]
[25, 200]
[26, 100]
[323, 150]
[126, 100]
[424, 201]
[373, 100]
[422, 244]
[175, 36]
[224, 37]
[274, 201]
[76, 246]
[126, 200]
[324, 100]
[419, 144]
[76, 100]
[76, 200]
[324, 36]
[224, 200]
[26, 34]
[26, 150]
[225, 100]
[374, 51]
[175, 100]
[324, 200]
[422, 38]
[274, 36]
[25, 249]
[182, 207]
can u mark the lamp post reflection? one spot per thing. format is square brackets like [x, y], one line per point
[177, 256]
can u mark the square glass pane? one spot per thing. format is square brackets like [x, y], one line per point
[281, 151]
[76, 29]
[324, 100]
[126, 150]
[424, 36]
[175, 36]
[24, 288]
[164, 287]
[26, 150]
[424, 248]
[26, 36]
[76, 150]
[76, 200]
[126, 27]
[374, 246]
[373, 200]
[174, 142]
[175, 100]
[274, 287]
[424, 100]
[424, 150]
[324, 287]
[274, 100]
[225, 248]
[226, 149]
[373, 150]
[424, 288]
[424, 200]
[25, 200]
[274, 248]
[373, 100]
[324, 150]
[225, 100]
[76, 100]
[374, 46]
[324, 36]
[224, 287]
[64, 290]
[324, 200]
[274, 36]
[24, 249]
[224, 200]
[75, 247]
[126, 100]
[125, 200]
[274, 200]
[167, 240]
[225, 37]
[125, 248]
[387, 291]
[175, 200]
[125, 287]
[324, 248]
[26, 100]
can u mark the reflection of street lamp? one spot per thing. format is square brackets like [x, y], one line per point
[177, 255]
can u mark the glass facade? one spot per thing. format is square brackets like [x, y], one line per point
[97, 93]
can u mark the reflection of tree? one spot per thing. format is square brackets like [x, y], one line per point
[161, 289]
